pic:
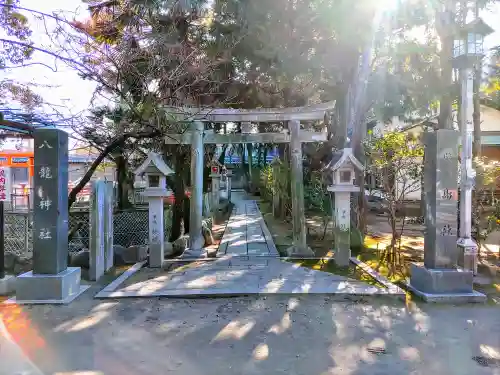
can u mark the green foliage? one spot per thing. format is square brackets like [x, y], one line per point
[492, 87]
[274, 181]
[15, 25]
[316, 197]
[396, 159]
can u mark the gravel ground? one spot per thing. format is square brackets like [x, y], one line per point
[309, 335]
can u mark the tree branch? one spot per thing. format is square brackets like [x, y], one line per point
[110, 147]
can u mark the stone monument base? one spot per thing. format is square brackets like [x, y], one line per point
[62, 288]
[299, 252]
[7, 285]
[443, 285]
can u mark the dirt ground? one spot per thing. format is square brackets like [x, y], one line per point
[311, 335]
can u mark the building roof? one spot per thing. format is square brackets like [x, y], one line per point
[490, 126]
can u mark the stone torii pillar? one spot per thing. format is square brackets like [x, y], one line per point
[299, 247]
[196, 240]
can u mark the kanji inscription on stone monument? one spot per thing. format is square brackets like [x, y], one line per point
[50, 242]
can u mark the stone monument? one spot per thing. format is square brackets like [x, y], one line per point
[51, 280]
[155, 170]
[343, 168]
[439, 279]
[101, 229]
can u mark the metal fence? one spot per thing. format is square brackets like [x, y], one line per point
[129, 228]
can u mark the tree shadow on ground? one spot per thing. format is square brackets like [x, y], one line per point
[310, 335]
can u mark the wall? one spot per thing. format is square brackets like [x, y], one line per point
[77, 171]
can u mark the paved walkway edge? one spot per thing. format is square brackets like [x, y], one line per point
[111, 287]
[267, 234]
[391, 287]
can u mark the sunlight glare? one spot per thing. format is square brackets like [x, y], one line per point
[388, 5]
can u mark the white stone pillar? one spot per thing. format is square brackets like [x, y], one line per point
[196, 241]
[108, 227]
[466, 244]
[156, 232]
[97, 234]
[342, 228]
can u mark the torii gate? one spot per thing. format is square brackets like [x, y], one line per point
[196, 137]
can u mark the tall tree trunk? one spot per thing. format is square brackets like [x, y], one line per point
[445, 56]
[122, 181]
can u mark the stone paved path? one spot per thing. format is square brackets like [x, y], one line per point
[247, 263]
[246, 233]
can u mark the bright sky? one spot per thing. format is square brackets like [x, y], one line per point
[67, 89]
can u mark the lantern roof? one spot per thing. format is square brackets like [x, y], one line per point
[478, 26]
[154, 164]
[340, 160]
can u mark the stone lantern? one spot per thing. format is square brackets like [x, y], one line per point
[468, 51]
[343, 169]
[155, 170]
[468, 46]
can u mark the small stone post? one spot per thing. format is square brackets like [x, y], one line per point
[51, 280]
[299, 247]
[97, 236]
[196, 240]
[156, 170]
